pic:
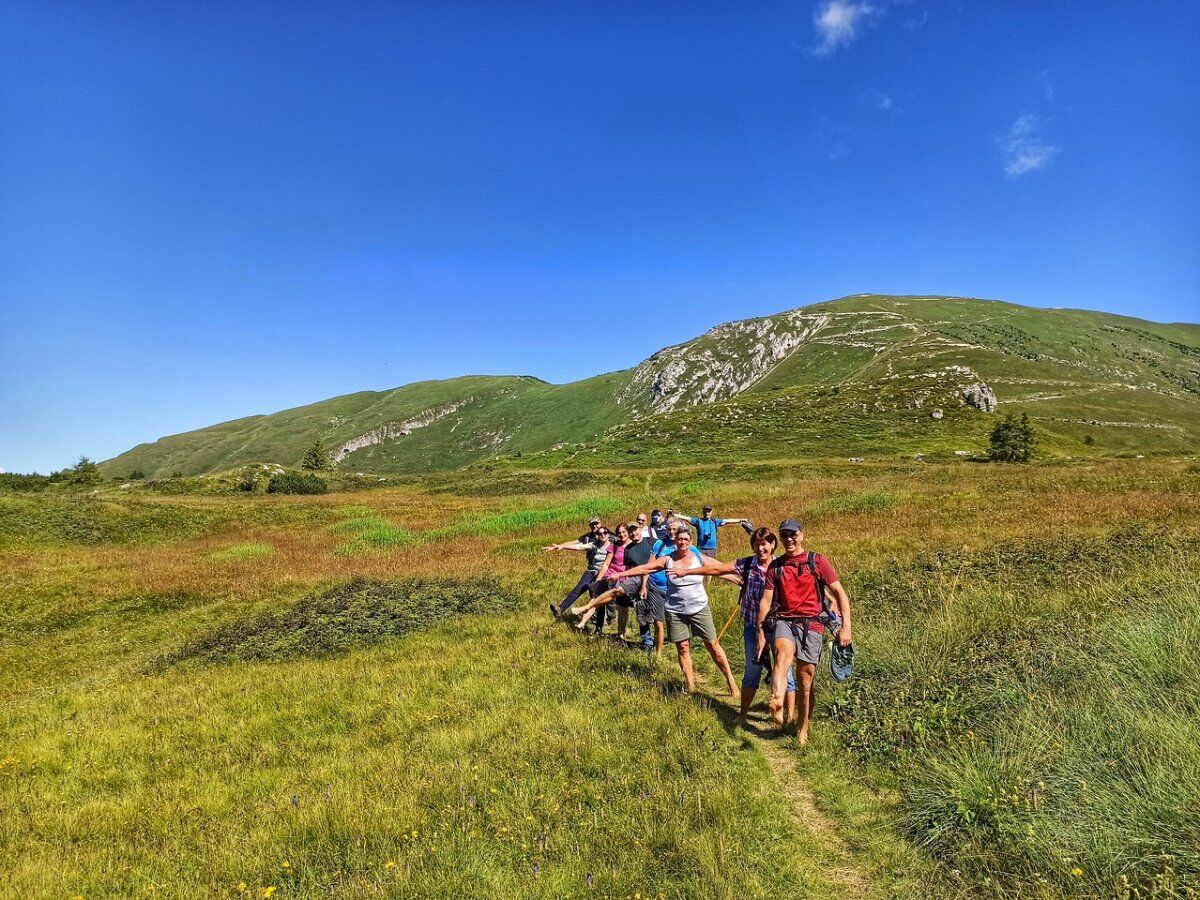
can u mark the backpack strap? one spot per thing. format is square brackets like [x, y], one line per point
[810, 563]
[745, 573]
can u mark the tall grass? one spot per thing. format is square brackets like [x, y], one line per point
[1040, 718]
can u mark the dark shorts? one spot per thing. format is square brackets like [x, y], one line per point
[814, 641]
[631, 588]
[656, 599]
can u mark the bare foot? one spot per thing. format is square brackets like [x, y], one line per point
[739, 722]
[802, 738]
[777, 710]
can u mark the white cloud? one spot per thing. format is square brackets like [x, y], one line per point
[917, 21]
[1023, 148]
[838, 22]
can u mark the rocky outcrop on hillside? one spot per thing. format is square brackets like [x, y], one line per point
[980, 396]
[723, 363]
[393, 430]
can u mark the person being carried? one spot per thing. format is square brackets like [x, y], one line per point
[597, 549]
[751, 573]
[706, 529]
[796, 587]
[689, 613]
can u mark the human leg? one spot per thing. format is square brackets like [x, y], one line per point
[581, 587]
[805, 699]
[752, 676]
[685, 664]
[784, 653]
[598, 600]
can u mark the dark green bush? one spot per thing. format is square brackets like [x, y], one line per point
[12, 481]
[296, 483]
[1012, 440]
[359, 613]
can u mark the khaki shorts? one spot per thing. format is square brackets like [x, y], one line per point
[684, 627]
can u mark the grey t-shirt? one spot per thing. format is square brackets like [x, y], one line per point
[596, 555]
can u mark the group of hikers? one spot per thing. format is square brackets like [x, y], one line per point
[787, 602]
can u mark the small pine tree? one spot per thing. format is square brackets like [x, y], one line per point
[85, 472]
[1013, 439]
[316, 457]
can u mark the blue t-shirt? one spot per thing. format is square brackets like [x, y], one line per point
[665, 548]
[706, 532]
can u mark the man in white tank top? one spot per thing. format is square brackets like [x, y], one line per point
[689, 614]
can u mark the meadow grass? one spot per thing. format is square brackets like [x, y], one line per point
[997, 610]
[243, 551]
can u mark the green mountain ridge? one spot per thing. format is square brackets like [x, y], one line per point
[867, 374]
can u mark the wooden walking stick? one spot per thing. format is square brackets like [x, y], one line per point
[729, 621]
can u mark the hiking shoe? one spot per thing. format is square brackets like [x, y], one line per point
[841, 661]
[748, 526]
[554, 611]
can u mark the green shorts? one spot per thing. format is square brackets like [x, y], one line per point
[684, 627]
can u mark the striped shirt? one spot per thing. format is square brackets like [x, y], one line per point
[752, 590]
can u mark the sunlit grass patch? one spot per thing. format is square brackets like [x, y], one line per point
[354, 510]
[866, 501]
[524, 519]
[243, 551]
[381, 536]
[361, 523]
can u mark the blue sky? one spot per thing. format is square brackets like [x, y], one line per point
[209, 210]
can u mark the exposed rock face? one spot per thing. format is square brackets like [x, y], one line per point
[980, 396]
[723, 363]
[393, 430]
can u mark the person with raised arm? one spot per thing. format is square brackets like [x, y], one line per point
[607, 578]
[706, 529]
[597, 549]
[751, 573]
[688, 611]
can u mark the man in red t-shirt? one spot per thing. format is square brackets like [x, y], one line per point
[799, 635]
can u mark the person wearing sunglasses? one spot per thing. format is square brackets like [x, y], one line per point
[795, 599]
[597, 550]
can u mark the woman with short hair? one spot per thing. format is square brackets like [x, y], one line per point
[689, 614]
[751, 573]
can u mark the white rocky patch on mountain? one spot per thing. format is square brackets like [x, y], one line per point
[723, 363]
[393, 430]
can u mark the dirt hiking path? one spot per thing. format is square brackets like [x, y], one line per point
[839, 862]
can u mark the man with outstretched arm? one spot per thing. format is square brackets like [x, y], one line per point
[797, 584]
[706, 529]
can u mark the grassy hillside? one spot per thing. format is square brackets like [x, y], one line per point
[219, 695]
[1093, 382]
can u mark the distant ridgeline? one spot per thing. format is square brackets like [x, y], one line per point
[864, 375]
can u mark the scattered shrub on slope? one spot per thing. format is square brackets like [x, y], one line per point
[356, 614]
[296, 483]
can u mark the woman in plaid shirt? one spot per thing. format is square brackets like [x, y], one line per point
[751, 573]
